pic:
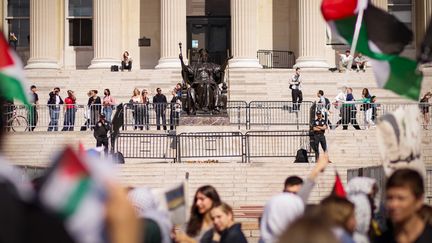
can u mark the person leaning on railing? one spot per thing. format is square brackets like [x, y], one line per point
[70, 110]
[33, 115]
[54, 103]
[94, 104]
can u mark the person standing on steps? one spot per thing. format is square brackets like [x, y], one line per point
[296, 93]
[319, 127]
[54, 103]
[33, 115]
[160, 104]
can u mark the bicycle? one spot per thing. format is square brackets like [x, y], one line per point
[15, 122]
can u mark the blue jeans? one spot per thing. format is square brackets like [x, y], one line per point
[69, 120]
[108, 113]
[54, 113]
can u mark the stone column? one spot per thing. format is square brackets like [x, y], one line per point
[106, 34]
[312, 39]
[244, 16]
[383, 4]
[44, 34]
[173, 31]
[423, 12]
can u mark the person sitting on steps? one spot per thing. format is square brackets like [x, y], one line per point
[126, 62]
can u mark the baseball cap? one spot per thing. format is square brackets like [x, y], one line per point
[318, 113]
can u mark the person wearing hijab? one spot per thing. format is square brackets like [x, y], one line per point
[279, 213]
[156, 222]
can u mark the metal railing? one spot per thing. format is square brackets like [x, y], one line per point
[257, 114]
[149, 146]
[213, 145]
[276, 59]
[268, 144]
[364, 116]
[143, 116]
[265, 113]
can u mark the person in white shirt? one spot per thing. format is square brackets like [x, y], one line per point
[339, 100]
[360, 62]
[345, 60]
[296, 93]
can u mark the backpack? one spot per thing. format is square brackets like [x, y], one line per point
[301, 156]
[327, 103]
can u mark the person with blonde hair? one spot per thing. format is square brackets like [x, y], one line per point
[135, 102]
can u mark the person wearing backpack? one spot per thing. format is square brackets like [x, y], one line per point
[324, 106]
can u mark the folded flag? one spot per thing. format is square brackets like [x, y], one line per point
[12, 80]
[338, 189]
[73, 190]
[382, 38]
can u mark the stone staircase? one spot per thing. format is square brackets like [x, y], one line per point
[244, 84]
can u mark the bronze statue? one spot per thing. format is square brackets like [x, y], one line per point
[202, 93]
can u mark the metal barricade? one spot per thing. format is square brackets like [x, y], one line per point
[139, 116]
[268, 144]
[276, 59]
[146, 146]
[48, 117]
[279, 113]
[210, 145]
[238, 113]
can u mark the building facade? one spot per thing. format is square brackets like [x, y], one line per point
[92, 34]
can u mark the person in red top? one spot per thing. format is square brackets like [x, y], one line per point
[70, 110]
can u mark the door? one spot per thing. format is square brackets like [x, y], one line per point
[211, 33]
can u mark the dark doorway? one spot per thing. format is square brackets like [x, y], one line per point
[211, 33]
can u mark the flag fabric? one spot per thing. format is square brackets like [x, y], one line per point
[74, 191]
[12, 80]
[382, 38]
[399, 140]
[173, 200]
[338, 189]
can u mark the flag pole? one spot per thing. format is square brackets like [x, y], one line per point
[355, 39]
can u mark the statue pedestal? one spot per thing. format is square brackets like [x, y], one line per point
[205, 120]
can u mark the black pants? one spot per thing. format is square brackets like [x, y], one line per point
[125, 65]
[297, 98]
[32, 118]
[349, 114]
[159, 115]
[319, 139]
[102, 142]
[174, 119]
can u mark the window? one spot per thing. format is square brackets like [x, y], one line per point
[402, 10]
[80, 22]
[18, 20]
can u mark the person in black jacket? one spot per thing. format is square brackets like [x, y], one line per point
[160, 104]
[101, 130]
[54, 103]
[174, 109]
[94, 104]
[225, 230]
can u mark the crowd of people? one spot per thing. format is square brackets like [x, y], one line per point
[139, 104]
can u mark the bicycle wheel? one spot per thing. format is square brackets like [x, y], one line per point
[19, 124]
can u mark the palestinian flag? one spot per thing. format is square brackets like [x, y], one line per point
[12, 80]
[72, 191]
[382, 38]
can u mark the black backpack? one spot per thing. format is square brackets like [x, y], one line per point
[301, 156]
[327, 103]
